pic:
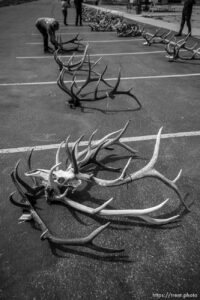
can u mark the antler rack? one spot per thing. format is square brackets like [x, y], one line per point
[56, 184]
[79, 65]
[77, 94]
[174, 50]
[159, 37]
[75, 44]
[129, 30]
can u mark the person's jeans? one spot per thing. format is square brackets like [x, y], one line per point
[44, 33]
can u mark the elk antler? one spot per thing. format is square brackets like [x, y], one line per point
[76, 44]
[71, 66]
[174, 50]
[78, 96]
[158, 37]
[30, 214]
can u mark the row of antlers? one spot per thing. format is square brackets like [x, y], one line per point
[176, 49]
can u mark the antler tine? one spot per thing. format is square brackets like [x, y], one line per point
[116, 140]
[156, 151]
[113, 91]
[18, 179]
[101, 77]
[113, 182]
[76, 100]
[74, 155]
[146, 171]
[96, 62]
[30, 166]
[139, 213]
[17, 185]
[57, 161]
[90, 157]
[60, 81]
[107, 137]
[155, 221]
[97, 88]
[24, 205]
[70, 61]
[69, 156]
[77, 241]
[88, 79]
[46, 234]
[57, 59]
[89, 146]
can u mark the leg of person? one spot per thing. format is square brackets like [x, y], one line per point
[44, 33]
[79, 13]
[189, 25]
[80, 16]
[76, 16]
[65, 16]
[181, 26]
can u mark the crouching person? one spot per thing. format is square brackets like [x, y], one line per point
[47, 27]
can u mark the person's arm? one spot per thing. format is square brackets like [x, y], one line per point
[53, 38]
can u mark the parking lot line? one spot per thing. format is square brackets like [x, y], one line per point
[94, 55]
[75, 33]
[84, 143]
[108, 79]
[95, 41]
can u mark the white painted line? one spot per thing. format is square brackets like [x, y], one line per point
[108, 79]
[79, 32]
[95, 41]
[94, 55]
[84, 143]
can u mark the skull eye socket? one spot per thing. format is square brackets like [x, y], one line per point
[61, 180]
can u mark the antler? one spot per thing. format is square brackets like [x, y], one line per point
[147, 171]
[76, 42]
[174, 50]
[30, 214]
[139, 213]
[72, 66]
[158, 37]
[78, 96]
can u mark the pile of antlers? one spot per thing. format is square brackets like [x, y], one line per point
[57, 184]
[159, 37]
[79, 93]
[175, 48]
[106, 23]
[129, 30]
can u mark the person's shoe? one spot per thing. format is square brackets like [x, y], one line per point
[178, 34]
[48, 50]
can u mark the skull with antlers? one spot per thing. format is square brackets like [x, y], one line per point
[56, 183]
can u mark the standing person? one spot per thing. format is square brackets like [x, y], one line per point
[47, 27]
[186, 16]
[78, 5]
[65, 4]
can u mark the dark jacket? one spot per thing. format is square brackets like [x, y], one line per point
[50, 25]
[187, 8]
[78, 2]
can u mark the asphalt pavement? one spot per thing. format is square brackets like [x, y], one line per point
[157, 261]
